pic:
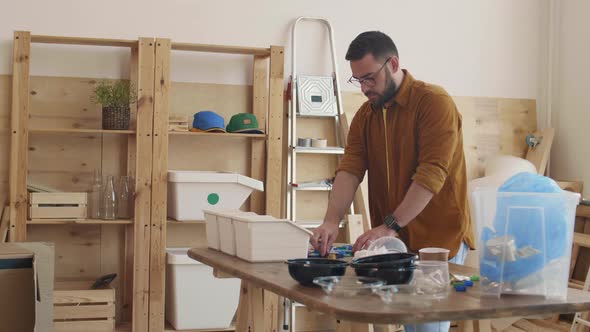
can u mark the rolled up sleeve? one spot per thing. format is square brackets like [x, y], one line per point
[354, 160]
[438, 133]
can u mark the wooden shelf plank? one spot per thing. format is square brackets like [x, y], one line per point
[169, 328]
[79, 131]
[83, 41]
[221, 49]
[225, 135]
[172, 221]
[81, 222]
[583, 211]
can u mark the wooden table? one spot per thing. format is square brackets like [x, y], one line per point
[275, 278]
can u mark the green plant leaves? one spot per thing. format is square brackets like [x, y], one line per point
[114, 94]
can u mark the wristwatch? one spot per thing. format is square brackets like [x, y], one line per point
[391, 222]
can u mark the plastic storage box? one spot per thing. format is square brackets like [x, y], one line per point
[525, 241]
[227, 236]
[195, 299]
[266, 239]
[189, 192]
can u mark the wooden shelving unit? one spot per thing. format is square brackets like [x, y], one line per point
[141, 152]
[134, 286]
[264, 150]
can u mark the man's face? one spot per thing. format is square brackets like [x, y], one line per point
[374, 76]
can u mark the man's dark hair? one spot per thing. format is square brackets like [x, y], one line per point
[374, 42]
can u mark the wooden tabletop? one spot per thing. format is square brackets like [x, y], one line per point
[370, 309]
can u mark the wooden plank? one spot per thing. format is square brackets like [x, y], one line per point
[128, 275]
[271, 312]
[540, 154]
[583, 211]
[457, 306]
[274, 170]
[143, 182]
[84, 296]
[256, 317]
[4, 224]
[159, 185]
[221, 49]
[218, 135]
[582, 240]
[77, 249]
[258, 148]
[19, 135]
[85, 311]
[169, 328]
[83, 41]
[79, 131]
[86, 326]
[573, 186]
[79, 222]
[243, 308]
[354, 226]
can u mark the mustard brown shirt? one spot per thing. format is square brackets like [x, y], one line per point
[418, 138]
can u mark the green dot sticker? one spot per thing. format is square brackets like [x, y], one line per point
[213, 199]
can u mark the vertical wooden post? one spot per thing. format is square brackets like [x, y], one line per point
[258, 147]
[274, 171]
[19, 136]
[159, 184]
[143, 182]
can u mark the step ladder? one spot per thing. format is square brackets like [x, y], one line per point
[311, 97]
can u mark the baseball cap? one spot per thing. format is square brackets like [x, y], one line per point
[208, 121]
[243, 123]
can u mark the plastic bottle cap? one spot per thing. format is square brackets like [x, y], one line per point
[468, 283]
[460, 288]
[474, 278]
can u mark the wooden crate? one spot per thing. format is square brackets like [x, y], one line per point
[59, 205]
[76, 307]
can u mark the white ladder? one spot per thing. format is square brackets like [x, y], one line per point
[304, 93]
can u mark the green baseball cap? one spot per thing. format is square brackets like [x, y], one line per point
[243, 123]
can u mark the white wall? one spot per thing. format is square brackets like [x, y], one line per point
[493, 48]
[570, 158]
[472, 48]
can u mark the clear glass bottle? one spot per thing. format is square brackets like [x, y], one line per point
[109, 199]
[95, 196]
[124, 199]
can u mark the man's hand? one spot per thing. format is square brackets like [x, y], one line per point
[324, 236]
[368, 237]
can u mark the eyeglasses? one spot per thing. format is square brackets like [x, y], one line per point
[367, 81]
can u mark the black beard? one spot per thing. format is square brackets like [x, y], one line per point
[387, 95]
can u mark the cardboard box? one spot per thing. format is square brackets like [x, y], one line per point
[26, 286]
[17, 288]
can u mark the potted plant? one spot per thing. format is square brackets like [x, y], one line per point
[115, 98]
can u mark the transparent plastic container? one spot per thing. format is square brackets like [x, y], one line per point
[524, 241]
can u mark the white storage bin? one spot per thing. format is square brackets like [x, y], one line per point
[189, 192]
[195, 299]
[525, 241]
[266, 239]
[220, 230]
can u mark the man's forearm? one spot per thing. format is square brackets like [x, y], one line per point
[413, 203]
[341, 196]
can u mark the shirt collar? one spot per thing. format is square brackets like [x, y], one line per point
[402, 95]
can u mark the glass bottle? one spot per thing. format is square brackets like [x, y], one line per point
[95, 196]
[109, 199]
[123, 199]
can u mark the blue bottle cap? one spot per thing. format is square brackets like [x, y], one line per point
[460, 288]
[468, 283]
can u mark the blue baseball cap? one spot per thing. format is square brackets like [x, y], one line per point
[208, 121]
